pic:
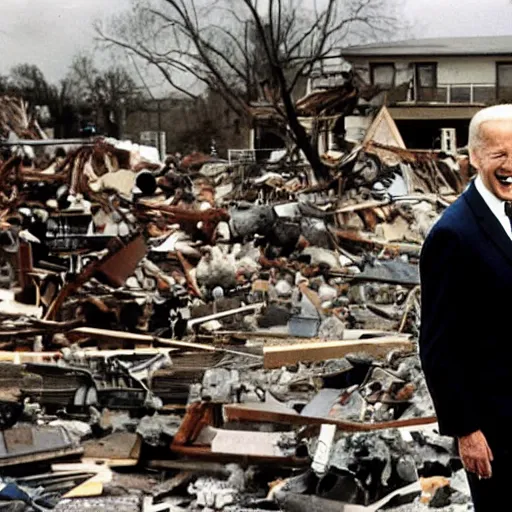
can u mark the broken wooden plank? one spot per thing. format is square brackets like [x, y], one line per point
[224, 314]
[191, 466]
[93, 486]
[251, 414]
[117, 267]
[33, 458]
[283, 355]
[312, 296]
[361, 206]
[20, 357]
[86, 353]
[198, 416]
[205, 453]
[189, 275]
[120, 448]
[88, 489]
[133, 338]
[112, 463]
[348, 334]
[98, 469]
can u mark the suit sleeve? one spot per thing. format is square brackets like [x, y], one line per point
[446, 353]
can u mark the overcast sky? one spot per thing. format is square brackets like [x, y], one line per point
[49, 32]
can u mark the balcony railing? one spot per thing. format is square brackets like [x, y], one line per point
[456, 94]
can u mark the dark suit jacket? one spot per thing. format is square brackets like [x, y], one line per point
[466, 317]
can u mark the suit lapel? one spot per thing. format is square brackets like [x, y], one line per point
[488, 221]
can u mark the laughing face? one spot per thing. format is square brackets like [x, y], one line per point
[492, 157]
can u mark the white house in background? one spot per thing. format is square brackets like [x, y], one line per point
[432, 84]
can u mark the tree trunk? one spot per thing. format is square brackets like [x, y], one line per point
[302, 139]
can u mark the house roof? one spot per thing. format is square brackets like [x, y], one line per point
[496, 45]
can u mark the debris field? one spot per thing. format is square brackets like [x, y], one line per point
[191, 334]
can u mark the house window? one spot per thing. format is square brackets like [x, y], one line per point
[426, 82]
[504, 78]
[383, 75]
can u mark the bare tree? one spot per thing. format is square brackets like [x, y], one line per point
[238, 48]
[110, 93]
[29, 82]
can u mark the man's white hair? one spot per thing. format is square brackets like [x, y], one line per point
[494, 113]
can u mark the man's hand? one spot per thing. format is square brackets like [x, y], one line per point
[476, 454]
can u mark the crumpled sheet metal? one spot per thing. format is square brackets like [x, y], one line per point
[336, 99]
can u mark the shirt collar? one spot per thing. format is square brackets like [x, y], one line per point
[497, 206]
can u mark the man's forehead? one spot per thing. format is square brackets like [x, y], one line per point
[496, 125]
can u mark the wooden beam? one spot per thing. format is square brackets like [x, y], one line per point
[224, 314]
[89, 488]
[283, 355]
[205, 453]
[90, 352]
[191, 466]
[122, 337]
[32, 458]
[20, 357]
[130, 337]
[349, 334]
[244, 413]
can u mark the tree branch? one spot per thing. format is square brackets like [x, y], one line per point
[151, 60]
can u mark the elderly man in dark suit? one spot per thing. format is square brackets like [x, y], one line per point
[466, 280]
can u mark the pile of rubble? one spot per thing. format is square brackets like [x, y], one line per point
[191, 334]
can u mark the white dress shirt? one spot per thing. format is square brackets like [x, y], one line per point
[497, 206]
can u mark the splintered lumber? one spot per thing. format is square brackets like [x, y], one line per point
[122, 337]
[72, 483]
[205, 453]
[192, 466]
[198, 416]
[93, 486]
[87, 489]
[224, 314]
[259, 414]
[283, 355]
[119, 352]
[348, 334]
[119, 449]
[129, 337]
[19, 357]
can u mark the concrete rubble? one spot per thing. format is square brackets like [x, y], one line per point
[195, 335]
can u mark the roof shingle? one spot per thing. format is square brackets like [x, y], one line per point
[496, 45]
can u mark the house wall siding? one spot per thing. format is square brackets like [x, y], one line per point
[455, 70]
[450, 70]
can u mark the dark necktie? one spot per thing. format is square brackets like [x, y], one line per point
[508, 211]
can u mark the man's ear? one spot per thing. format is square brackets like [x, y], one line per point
[474, 158]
